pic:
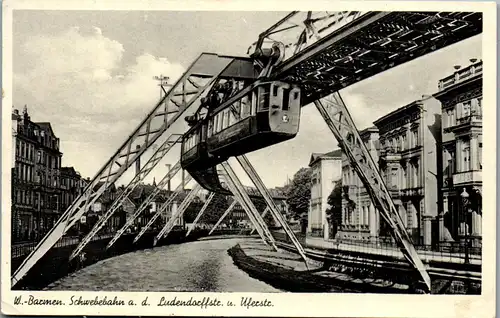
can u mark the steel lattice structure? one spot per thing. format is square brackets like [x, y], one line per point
[322, 52]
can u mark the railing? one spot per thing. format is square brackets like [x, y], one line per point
[461, 75]
[475, 118]
[449, 251]
[467, 176]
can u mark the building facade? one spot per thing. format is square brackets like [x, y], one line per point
[410, 163]
[72, 186]
[359, 220]
[36, 180]
[326, 171]
[461, 209]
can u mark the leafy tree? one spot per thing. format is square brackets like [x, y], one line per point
[299, 192]
[215, 209]
[192, 210]
[334, 211]
[335, 202]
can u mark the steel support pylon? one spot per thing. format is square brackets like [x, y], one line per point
[238, 198]
[228, 210]
[266, 210]
[117, 203]
[237, 188]
[180, 211]
[200, 75]
[259, 184]
[163, 207]
[202, 210]
[337, 117]
[145, 204]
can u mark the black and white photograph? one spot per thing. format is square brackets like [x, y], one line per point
[222, 160]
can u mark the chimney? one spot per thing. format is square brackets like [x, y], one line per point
[138, 162]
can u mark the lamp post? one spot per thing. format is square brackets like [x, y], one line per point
[465, 202]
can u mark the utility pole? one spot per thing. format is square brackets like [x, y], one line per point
[163, 82]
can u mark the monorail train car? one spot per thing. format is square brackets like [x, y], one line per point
[267, 115]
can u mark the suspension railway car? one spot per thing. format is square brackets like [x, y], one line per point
[267, 115]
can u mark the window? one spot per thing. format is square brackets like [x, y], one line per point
[210, 126]
[466, 109]
[465, 156]
[415, 175]
[415, 138]
[394, 177]
[245, 107]
[219, 122]
[480, 156]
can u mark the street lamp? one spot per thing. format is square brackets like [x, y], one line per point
[465, 202]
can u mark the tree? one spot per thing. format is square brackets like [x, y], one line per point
[334, 211]
[299, 192]
[215, 209]
[192, 210]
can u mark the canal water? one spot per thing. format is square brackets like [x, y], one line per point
[194, 267]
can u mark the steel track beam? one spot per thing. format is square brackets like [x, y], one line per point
[182, 208]
[237, 188]
[223, 216]
[145, 170]
[259, 184]
[337, 117]
[172, 172]
[202, 210]
[204, 70]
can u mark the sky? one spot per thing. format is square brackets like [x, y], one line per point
[90, 74]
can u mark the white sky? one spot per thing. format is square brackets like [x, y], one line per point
[90, 74]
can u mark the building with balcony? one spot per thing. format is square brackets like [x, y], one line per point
[359, 219]
[36, 189]
[326, 171]
[410, 162]
[460, 95]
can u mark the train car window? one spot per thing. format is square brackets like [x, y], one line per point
[275, 89]
[245, 107]
[263, 97]
[253, 110]
[216, 123]
[210, 127]
[220, 124]
[226, 119]
[233, 113]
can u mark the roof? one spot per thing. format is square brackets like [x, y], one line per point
[69, 171]
[335, 154]
[397, 113]
[142, 191]
[47, 127]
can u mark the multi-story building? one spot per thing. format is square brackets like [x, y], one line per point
[461, 96]
[359, 219]
[238, 216]
[326, 171]
[409, 162]
[72, 186]
[36, 191]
